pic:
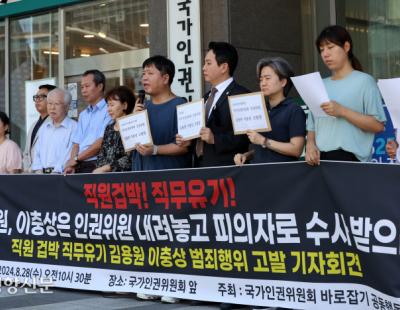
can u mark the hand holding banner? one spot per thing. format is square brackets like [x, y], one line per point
[191, 118]
[135, 129]
[249, 112]
[312, 90]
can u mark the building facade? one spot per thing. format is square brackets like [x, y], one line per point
[57, 40]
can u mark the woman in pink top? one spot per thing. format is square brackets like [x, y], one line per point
[10, 153]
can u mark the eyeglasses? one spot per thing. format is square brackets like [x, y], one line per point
[39, 97]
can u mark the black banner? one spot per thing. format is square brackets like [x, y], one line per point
[270, 235]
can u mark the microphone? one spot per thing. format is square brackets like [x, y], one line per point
[142, 94]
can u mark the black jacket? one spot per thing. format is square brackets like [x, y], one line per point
[226, 143]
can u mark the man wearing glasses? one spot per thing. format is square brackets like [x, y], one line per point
[40, 100]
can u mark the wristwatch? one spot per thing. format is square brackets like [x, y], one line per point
[76, 158]
[155, 149]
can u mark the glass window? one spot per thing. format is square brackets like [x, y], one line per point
[375, 28]
[2, 67]
[33, 56]
[132, 78]
[111, 36]
[112, 80]
[104, 27]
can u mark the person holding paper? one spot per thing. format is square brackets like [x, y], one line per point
[112, 156]
[288, 122]
[355, 105]
[217, 143]
[158, 74]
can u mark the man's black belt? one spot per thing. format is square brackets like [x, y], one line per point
[48, 170]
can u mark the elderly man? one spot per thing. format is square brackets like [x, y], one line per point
[40, 100]
[55, 137]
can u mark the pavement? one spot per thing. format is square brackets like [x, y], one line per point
[65, 299]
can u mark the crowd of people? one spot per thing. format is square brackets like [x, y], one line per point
[58, 144]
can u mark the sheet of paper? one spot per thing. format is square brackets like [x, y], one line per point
[135, 129]
[190, 119]
[312, 91]
[248, 112]
[390, 90]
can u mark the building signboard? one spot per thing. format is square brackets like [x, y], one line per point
[184, 47]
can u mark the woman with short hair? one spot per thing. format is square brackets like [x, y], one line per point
[112, 156]
[286, 140]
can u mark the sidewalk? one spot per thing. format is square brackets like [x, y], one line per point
[64, 299]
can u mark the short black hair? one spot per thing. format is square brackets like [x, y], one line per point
[98, 77]
[123, 94]
[163, 64]
[49, 87]
[225, 53]
[5, 120]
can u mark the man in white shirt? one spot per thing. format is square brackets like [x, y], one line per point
[55, 137]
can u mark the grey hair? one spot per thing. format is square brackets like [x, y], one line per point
[281, 67]
[66, 95]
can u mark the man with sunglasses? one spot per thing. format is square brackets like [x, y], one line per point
[40, 100]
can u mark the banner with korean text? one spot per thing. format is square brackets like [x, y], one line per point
[286, 235]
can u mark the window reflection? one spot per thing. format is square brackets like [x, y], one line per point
[132, 78]
[105, 27]
[33, 55]
[375, 28]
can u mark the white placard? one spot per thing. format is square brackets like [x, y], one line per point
[312, 90]
[248, 112]
[191, 118]
[390, 90]
[31, 88]
[135, 129]
[184, 47]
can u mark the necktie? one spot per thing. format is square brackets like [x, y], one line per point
[209, 102]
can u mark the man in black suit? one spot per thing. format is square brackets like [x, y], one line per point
[217, 144]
